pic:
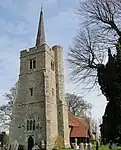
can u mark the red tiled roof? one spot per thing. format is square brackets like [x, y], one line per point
[72, 120]
[79, 127]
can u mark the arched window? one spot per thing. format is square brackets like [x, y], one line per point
[52, 65]
[30, 64]
[34, 63]
[28, 125]
[34, 124]
[31, 91]
[31, 124]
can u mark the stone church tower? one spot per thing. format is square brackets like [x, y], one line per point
[40, 111]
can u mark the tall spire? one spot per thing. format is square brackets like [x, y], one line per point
[41, 34]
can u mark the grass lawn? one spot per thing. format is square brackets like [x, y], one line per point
[100, 148]
[66, 149]
[107, 148]
[104, 148]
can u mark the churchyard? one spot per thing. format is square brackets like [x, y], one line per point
[39, 114]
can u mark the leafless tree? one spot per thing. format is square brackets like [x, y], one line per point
[99, 30]
[77, 105]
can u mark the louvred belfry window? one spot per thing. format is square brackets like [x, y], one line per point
[32, 63]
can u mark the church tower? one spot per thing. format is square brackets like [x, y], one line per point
[40, 112]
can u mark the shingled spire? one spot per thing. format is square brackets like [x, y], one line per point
[41, 34]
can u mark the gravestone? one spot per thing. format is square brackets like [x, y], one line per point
[35, 147]
[81, 146]
[14, 145]
[21, 147]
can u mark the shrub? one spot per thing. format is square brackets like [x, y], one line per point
[58, 142]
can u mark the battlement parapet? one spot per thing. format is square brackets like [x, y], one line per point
[57, 47]
[33, 50]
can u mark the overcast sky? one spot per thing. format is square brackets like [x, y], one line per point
[18, 29]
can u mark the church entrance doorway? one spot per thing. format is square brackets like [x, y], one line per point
[30, 143]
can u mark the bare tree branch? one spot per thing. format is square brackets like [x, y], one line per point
[99, 30]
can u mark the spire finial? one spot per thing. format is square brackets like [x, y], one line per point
[41, 7]
[41, 34]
